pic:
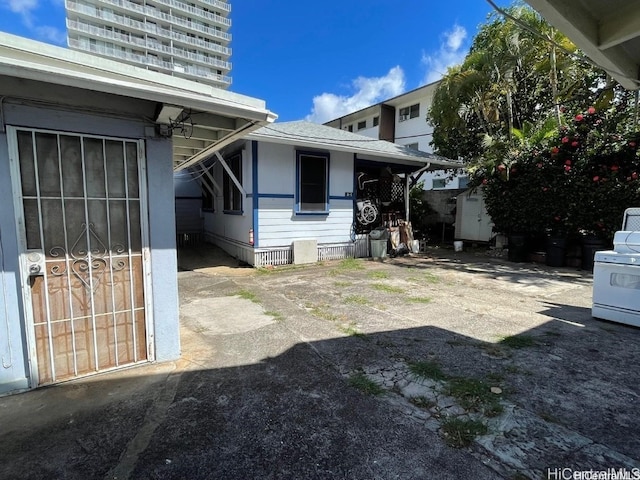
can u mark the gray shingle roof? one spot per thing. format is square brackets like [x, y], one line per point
[313, 135]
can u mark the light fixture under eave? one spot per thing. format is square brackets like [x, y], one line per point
[168, 114]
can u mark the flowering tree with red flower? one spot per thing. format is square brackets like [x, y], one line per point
[578, 181]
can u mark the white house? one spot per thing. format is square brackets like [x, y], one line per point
[305, 188]
[402, 120]
[88, 272]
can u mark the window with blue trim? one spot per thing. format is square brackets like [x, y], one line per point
[312, 194]
[232, 196]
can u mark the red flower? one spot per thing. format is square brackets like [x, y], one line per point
[596, 178]
[634, 175]
[567, 162]
[591, 110]
[574, 144]
[501, 167]
[565, 139]
[632, 144]
[567, 168]
[614, 168]
[484, 181]
[579, 117]
[555, 150]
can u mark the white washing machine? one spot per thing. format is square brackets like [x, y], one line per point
[616, 280]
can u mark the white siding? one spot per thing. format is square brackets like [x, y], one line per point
[278, 224]
[233, 227]
[279, 227]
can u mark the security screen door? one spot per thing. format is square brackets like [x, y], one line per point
[82, 238]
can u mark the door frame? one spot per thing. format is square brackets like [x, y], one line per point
[25, 287]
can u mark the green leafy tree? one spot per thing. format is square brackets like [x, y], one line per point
[515, 77]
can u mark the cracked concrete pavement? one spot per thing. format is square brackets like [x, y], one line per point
[263, 387]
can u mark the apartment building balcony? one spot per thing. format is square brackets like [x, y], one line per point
[192, 71]
[198, 12]
[223, 6]
[142, 27]
[143, 11]
[102, 33]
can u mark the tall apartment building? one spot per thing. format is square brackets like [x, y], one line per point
[184, 38]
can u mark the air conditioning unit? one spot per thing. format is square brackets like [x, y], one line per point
[404, 117]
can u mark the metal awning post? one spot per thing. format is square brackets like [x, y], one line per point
[406, 197]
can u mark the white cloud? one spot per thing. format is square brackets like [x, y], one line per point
[451, 53]
[51, 34]
[367, 91]
[21, 7]
[27, 10]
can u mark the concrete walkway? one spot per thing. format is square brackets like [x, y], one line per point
[278, 373]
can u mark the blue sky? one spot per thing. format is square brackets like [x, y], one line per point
[316, 60]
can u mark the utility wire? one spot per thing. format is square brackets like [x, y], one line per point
[582, 58]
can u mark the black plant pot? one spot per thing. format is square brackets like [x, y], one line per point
[590, 245]
[556, 249]
[518, 250]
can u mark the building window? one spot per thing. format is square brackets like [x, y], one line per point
[413, 146]
[409, 112]
[350, 128]
[312, 192]
[232, 196]
[362, 125]
[439, 182]
[463, 181]
[376, 121]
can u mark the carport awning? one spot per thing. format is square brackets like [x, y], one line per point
[608, 32]
[200, 118]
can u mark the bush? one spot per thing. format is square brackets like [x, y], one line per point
[578, 182]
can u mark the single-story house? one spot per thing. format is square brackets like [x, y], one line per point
[88, 270]
[299, 192]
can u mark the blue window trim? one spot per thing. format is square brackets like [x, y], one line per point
[276, 195]
[311, 153]
[255, 196]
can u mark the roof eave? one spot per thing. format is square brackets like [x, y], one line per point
[434, 161]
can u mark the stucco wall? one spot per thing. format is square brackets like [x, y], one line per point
[13, 370]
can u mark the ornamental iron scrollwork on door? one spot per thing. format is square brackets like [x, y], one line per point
[89, 265]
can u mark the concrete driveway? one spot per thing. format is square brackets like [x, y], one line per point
[438, 365]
